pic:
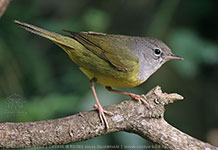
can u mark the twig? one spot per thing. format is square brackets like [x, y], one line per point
[3, 6]
[129, 116]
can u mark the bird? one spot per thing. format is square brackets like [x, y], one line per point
[112, 60]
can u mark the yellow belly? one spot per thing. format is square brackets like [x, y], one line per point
[112, 80]
[94, 67]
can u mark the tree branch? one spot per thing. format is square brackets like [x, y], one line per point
[130, 116]
[3, 6]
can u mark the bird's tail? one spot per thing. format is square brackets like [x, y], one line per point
[57, 38]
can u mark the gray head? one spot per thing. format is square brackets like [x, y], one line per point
[152, 54]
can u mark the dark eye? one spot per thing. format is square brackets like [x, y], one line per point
[157, 51]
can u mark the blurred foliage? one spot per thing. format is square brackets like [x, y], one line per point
[200, 51]
[38, 81]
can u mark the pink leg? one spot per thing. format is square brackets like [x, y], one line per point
[98, 107]
[132, 95]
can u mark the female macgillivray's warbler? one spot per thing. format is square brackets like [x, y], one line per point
[111, 60]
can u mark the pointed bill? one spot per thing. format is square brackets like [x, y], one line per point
[174, 57]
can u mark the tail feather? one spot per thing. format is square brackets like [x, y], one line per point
[56, 38]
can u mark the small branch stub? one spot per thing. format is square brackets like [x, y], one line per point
[167, 98]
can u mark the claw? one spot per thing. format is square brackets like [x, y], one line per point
[105, 111]
[139, 98]
[101, 112]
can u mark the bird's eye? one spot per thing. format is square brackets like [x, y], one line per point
[157, 51]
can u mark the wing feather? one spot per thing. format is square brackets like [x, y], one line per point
[111, 48]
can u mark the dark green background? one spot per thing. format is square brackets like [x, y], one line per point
[38, 81]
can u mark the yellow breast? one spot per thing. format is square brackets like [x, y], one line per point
[113, 80]
[94, 67]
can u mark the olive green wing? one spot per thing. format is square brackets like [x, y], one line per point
[114, 49]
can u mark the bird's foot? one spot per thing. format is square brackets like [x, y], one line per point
[139, 98]
[102, 113]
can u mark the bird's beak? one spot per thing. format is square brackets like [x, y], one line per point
[173, 56]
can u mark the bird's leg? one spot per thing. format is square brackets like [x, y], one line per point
[98, 106]
[132, 95]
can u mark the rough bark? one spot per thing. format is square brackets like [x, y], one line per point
[3, 6]
[146, 120]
